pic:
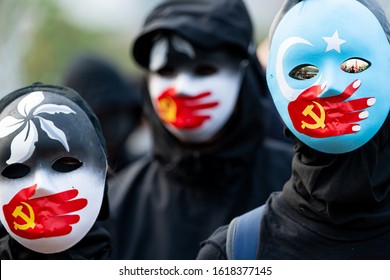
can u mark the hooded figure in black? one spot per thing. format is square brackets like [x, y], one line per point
[53, 167]
[337, 203]
[114, 100]
[211, 160]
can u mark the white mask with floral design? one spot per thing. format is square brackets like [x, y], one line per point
[53, 171]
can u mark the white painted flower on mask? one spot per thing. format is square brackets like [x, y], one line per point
[23, 145]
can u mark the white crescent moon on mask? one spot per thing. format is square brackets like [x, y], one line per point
[288, 92]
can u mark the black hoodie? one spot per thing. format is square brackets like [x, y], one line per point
[335, 206]
[165, 205]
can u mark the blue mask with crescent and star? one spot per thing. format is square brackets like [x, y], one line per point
[328, 73]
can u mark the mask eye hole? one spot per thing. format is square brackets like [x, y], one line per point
[205, 70]
[304, 72]
[166, 71]
[15, 171]
[66, 164]
[355, 65]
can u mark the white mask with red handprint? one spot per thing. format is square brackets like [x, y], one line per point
[53, 171]
[328, 73]
[194, 92]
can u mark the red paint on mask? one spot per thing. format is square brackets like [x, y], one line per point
[328, 116]
[182, 111]
[45, 216]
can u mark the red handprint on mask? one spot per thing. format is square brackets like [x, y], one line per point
[328, 116]
[44, 216]
[182, 111]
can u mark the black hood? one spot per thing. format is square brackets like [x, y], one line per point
[203, 24]
[199, 22]
[350, 190]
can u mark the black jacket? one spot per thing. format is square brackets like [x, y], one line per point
[166, 204]
[333, 207]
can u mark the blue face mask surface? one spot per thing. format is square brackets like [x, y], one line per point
[329, 74]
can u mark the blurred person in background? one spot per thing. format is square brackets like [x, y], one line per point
[114, 99]
[205, 99]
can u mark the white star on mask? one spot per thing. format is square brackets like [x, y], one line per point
[334, 42]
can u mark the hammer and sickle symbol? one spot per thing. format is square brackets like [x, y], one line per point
[28, 219]
[319, 120]
[168, 107]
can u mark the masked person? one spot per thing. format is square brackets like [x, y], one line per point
[206, 102]
[329, 81]
[53, 176]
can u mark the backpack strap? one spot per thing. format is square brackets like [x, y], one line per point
[243, 235]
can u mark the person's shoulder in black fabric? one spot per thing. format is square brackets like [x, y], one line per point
[214, 248]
